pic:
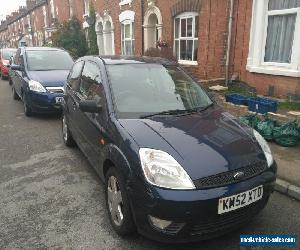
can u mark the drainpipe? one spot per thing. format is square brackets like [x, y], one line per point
[142, 10]
[229, 42]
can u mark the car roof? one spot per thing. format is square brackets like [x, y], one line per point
[10, 49]
[113, 60]
[42, 49]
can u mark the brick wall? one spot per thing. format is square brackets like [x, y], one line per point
[239, 48]
[212, 42]
[212, 30]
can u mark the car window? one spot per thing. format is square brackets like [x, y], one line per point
[91, 87]
[17, 57]
[142, 89]
[75, 75]
[8, 53]
[44, 60]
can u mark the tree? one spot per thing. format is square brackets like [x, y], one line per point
[70, 36]
[92, 36]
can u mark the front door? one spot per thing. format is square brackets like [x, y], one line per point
[17, 75]
[91, 127]
[71, 99]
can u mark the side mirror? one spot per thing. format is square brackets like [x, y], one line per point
[90, 106]
[17, 67]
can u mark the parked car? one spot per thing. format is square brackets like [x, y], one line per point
[176, 166]
[38, 76]
[5, 55]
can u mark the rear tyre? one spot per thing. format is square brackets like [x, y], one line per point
[27, 110]
[14, 94]
[67, 136]
[117, 203]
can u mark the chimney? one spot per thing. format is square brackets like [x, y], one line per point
[30, 3]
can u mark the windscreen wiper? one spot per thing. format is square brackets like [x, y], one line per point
[198, 109]
[179, 111]
[201, 109]
[167, 112]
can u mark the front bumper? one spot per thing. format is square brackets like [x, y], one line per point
[195, 212]
[43, 102]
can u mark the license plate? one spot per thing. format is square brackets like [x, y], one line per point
[59, 99]
[237, 201]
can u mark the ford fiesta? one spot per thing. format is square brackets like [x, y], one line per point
[176, 166]
[37, 77]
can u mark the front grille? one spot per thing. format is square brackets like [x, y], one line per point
[55, 90]
[228, 220]
[227, 178]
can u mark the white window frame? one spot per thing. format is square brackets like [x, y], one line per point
[258, 38]
[124, 2]
[186, 15]
[86, 7]
[131, 39]
[52, 9]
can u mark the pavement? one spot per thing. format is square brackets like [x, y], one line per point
[288, 161]
[51, 198]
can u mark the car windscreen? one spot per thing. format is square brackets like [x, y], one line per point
[44, 60]
[7, 54]
[142, 89]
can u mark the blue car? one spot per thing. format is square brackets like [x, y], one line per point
[37, 78]
[176, 166]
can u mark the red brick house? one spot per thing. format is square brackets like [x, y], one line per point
[254, 41]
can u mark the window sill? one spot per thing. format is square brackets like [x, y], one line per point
[184, 62]
[124, 2]
[273, 70]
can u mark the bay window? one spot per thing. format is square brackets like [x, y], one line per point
[127, 37]
[275, 38]
[186, 37]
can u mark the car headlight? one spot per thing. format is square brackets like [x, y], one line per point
[36, 86]
[265, 147]
[162, 170]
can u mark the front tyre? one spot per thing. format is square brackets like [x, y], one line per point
[14, 94]
[117, 203]
[27, 109]
[67, 136]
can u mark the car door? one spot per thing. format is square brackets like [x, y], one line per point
[17, 75]
[91, 127]
[71, 90]
[13, 72]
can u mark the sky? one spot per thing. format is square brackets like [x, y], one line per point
[8, 6]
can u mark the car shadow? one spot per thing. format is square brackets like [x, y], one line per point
[45, 117]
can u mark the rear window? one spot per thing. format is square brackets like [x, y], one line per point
[44, 60]
[7, 54]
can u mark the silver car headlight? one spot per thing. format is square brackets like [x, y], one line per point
[265, 147]
[36, 86]
[162, 170]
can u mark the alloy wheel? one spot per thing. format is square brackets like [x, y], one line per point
[115, 201]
